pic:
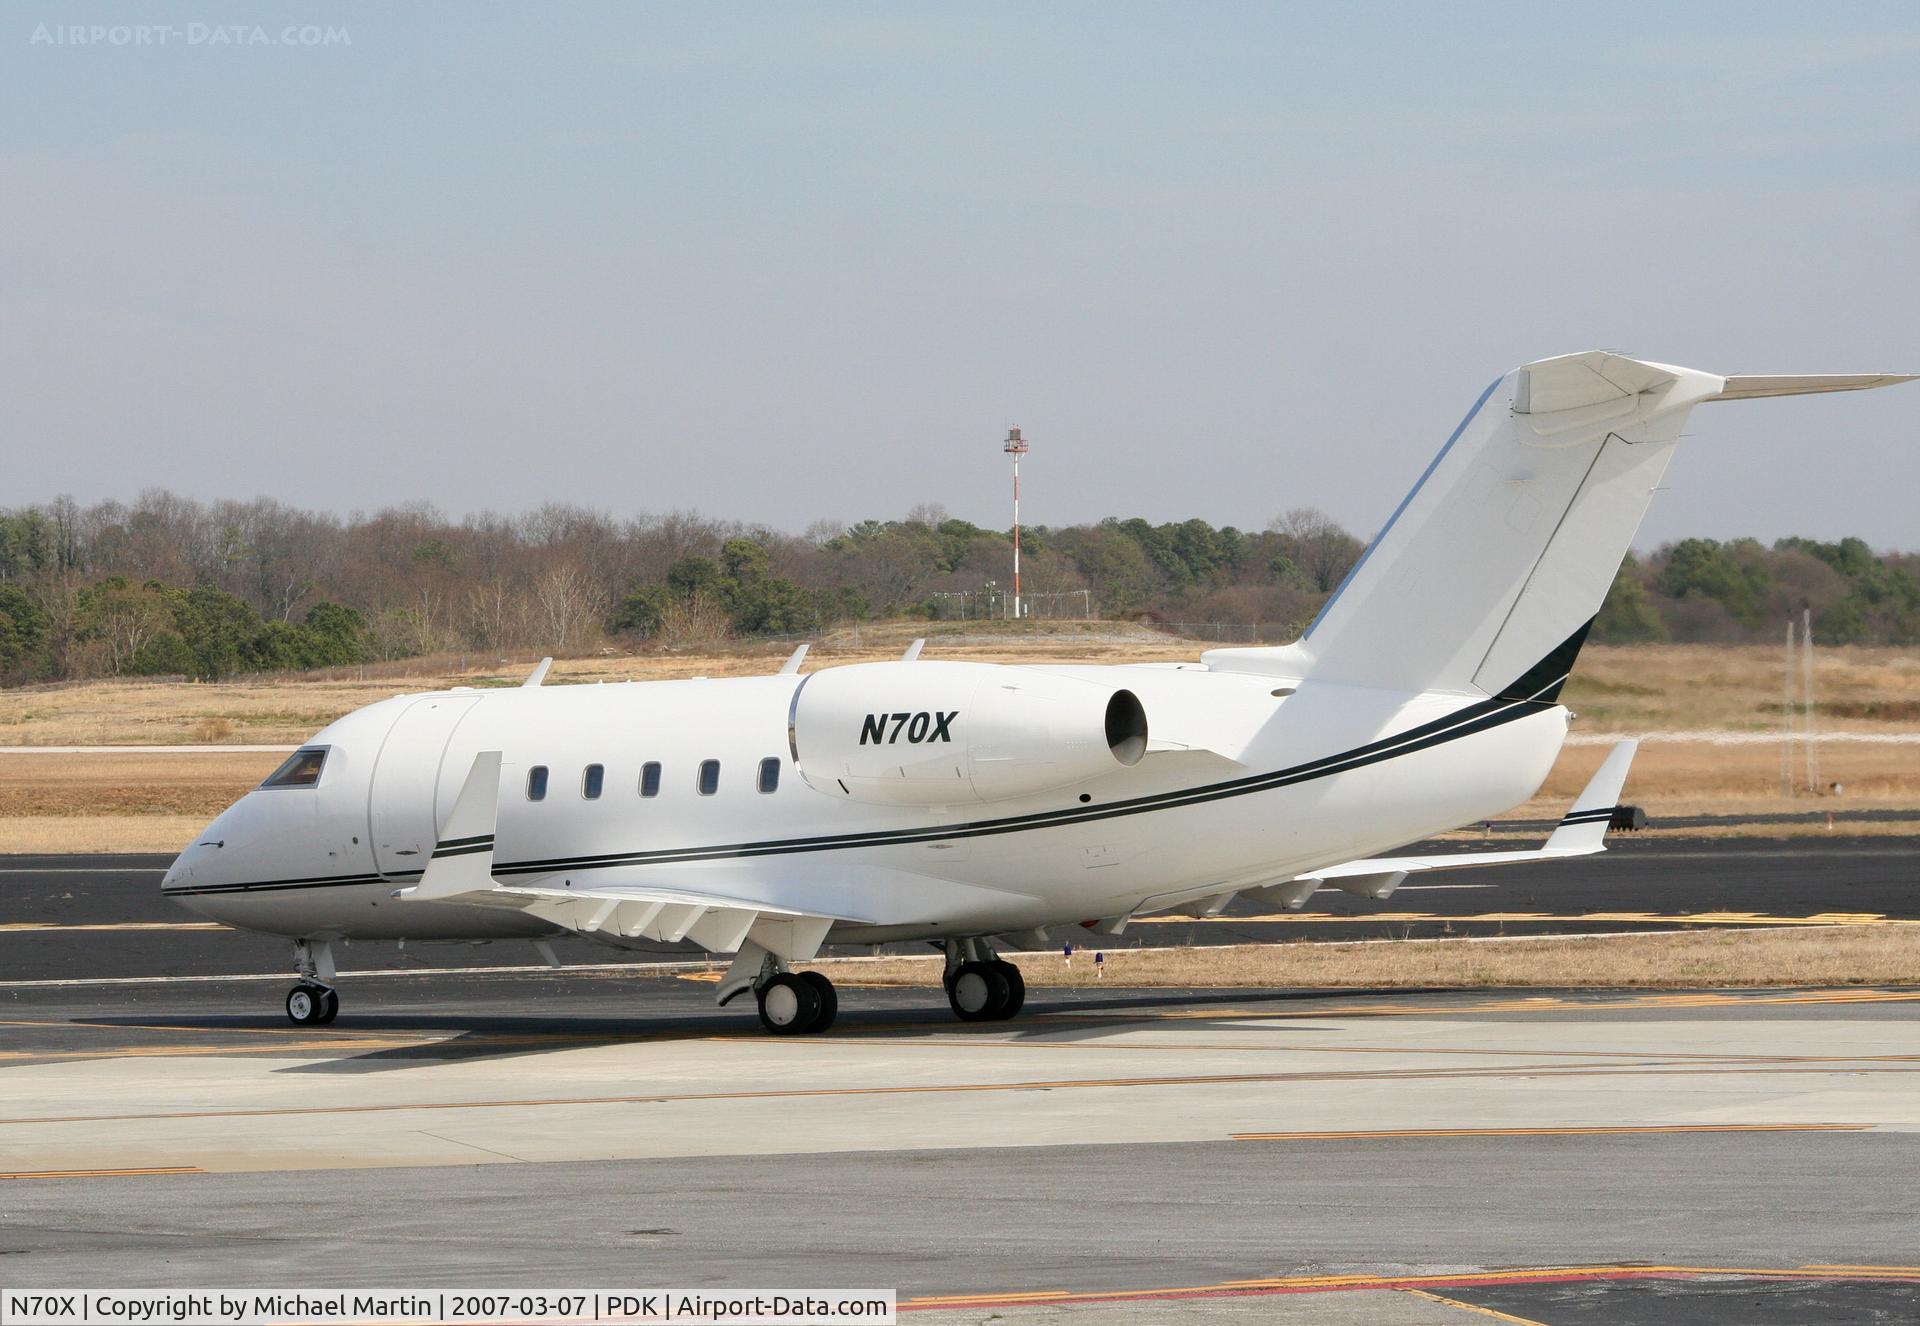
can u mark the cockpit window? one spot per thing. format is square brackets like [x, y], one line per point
[302, 769]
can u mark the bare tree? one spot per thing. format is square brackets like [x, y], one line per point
[699, 618]
[1319, 549]
[571, 606]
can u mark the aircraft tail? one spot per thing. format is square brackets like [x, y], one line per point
[1488, 576]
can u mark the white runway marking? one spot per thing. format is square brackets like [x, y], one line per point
[391, 971]
[84, 870]
[1714, 737]
[1404, 888]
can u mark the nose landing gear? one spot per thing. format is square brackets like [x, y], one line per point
[312, 1005]
[314, 1002]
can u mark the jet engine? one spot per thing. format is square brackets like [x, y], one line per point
[936, 733]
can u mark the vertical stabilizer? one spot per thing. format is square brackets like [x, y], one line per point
[1486, 578]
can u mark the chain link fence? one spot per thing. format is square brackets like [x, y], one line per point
[1237, 633]
[995, 602]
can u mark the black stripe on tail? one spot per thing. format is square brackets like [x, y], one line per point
[1544, 679]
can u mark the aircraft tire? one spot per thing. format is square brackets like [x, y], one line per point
[1016, 988]
[306, 1005]
[789, 1006]
[978, 992]
[829, 1000]
[329, 1007]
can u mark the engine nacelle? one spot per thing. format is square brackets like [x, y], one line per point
[934, 733]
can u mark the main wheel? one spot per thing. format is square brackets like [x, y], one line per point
[329, 1006]
[788, 1005]
[978, 991]
[829, 1000]
[1016, 987]
[306, 1004]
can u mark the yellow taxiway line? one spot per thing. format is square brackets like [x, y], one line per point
[1474, 1308]
[1489, 918]
[42, 927]
[1312, 1284]
[1600, 1130]
[302, 1041]
[1574, 1069]
[100, 1173]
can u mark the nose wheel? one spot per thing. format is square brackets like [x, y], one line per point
[310, 1005]
[314, 1002]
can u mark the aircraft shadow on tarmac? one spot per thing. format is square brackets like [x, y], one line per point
[486, 1035]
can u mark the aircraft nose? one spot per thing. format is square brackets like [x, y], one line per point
[192, 861]
[200, 863]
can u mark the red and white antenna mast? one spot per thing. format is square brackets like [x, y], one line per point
[1016, 447]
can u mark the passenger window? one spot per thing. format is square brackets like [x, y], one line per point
[537, 783]
[770, 774]
[302, 769]
[592, 781]
[650, 779]
[709, 777]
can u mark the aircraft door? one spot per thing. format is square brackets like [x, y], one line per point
[403, 819]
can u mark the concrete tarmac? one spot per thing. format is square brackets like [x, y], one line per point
[1127, 1156]
[1112, 1156]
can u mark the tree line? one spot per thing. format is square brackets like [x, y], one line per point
[167, 585]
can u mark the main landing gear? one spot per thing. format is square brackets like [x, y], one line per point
[792, 1003]
[981, 987]
[314, 1002]
[797, 1003]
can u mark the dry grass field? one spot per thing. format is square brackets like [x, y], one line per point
[129, 802]
[1884, 954]
[119, 802]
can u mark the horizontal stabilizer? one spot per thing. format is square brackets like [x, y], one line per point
[1581, 832]
[1585, 823]
[1754, 386]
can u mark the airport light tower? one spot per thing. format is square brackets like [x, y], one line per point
[1016, 447]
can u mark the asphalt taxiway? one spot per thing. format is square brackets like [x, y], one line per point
[102, 917]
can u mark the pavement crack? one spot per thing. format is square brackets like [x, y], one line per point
[455, 1141]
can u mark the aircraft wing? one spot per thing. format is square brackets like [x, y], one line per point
[606, 907]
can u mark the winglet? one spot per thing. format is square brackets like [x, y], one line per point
[539, 673]
[1585, 824]
[913, 651]
[792, 665]
[463, 857]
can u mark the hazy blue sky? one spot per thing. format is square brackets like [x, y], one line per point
[785, 261]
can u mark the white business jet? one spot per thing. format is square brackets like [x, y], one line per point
[975, 804]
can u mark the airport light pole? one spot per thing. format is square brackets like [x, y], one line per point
[1016, 447]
